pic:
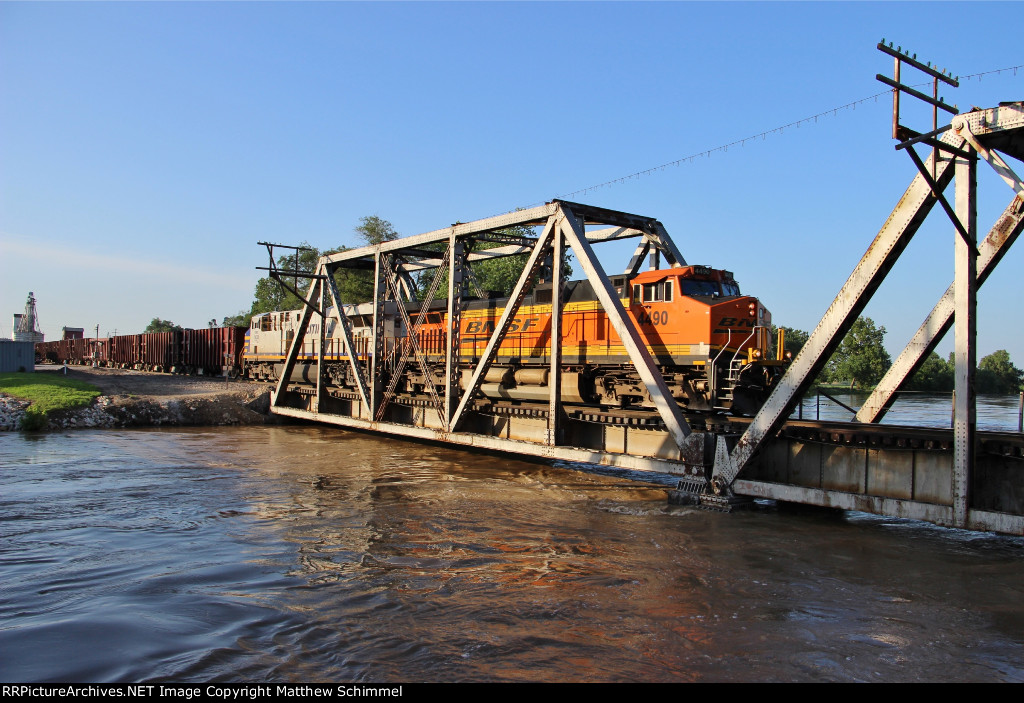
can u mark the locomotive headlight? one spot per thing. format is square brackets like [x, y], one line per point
[789, 356]
[753, 309]
[757, 353]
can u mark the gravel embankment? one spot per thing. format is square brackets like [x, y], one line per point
[142, 399]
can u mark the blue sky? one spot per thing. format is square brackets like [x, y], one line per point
[146, 147]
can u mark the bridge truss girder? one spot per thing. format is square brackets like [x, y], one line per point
[981, 132]
[563, 226]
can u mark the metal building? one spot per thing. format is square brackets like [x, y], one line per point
[17, 356]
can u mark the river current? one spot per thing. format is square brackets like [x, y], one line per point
[300, 553]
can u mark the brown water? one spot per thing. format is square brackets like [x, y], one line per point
[303, 553]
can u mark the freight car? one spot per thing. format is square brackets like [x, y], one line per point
[711, 343]
[76, 351]
[198, 352]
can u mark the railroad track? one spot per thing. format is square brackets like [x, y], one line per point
[832, 432]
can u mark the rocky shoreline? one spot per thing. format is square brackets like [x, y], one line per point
[140, 399]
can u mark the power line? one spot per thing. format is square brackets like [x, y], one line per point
[706, 153]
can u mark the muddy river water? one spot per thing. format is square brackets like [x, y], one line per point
[300, 553]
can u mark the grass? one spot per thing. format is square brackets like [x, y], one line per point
[47, 392]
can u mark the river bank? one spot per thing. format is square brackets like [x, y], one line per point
[142, 399]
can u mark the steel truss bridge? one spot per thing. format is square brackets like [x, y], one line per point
[957, 477]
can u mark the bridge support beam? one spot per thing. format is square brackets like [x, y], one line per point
[965, 297]
[878, 260]
[1000, 238]
[986, 130]
[939, 321]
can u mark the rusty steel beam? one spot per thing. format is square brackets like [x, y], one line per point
[501, 329]
[939, 321]
[590, 214]
[346, 329]
[413, 331]
[482, 255]
[377, 360]
[411, 336]
[530, 216]
[493, 443]
[878, 260]
[641, 357]
[555, 343]
[637, 260]
[965, 301]
[998, 126]
[297, 340]
[456, 291]
[993, 159]
[673, 256]
[611, 234]
[594, 236]
[320, 347]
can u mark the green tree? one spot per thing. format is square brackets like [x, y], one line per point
[375, 230]
[861, 358]
[496, 276]
[271, 295]
[794, 340]
[353, 286]
[997, 374]
[935, 376]
[356, 286]
[158, 325]
[239, 319]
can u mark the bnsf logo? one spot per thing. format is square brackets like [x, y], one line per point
[734, 322]
[487, 326]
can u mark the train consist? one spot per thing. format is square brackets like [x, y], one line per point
[211, 351]
[711, 343]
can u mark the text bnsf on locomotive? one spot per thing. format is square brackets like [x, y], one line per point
[711, 343]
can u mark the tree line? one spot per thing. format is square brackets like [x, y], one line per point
[861, 360]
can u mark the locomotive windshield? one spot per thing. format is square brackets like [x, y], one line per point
[692, 287]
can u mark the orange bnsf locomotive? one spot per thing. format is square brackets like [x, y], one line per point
[711, 343]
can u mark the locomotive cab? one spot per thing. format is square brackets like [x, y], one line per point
[715, 339]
